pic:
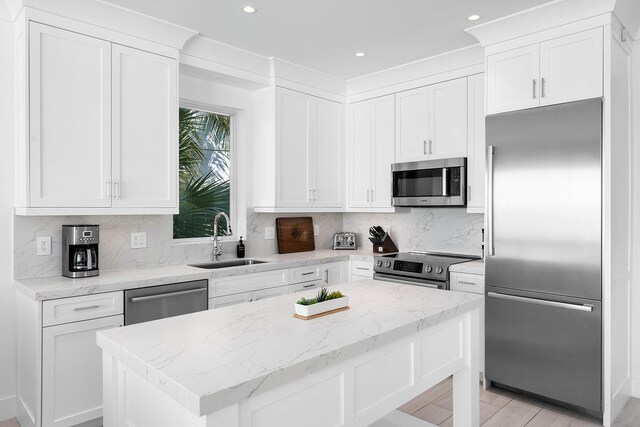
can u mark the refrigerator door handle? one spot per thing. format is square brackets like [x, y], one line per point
[578, 307]
[490, 249]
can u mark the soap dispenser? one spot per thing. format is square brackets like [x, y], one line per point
[240, 249]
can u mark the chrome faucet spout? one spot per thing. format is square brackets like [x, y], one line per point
[217, 248]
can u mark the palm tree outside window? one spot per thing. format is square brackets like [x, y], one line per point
[205, 184]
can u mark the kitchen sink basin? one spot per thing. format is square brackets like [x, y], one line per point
[226, 264]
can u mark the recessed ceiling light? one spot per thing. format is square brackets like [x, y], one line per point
[248, 9]
[360, 54]
[473, 17]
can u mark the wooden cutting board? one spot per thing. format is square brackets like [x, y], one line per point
[295, 234]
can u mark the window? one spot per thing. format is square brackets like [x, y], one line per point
[205, 172]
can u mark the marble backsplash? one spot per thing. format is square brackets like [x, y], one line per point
[115, 249]
[440, 229]
[435, 229]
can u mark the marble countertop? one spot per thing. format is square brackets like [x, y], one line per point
[44, 288]
[471, 267]
[211, 359]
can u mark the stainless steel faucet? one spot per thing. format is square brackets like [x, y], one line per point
[217, 248]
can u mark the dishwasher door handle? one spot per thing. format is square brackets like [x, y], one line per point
[167, 295]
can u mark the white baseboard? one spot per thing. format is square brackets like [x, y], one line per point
[7, 408]
[400, 419]
[635, 387]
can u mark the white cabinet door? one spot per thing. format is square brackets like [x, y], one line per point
[69, 119]
[571, 67]
[448, 119]
[144, 123]
[327, 165]
[412, 133]
[476, 145]
[384, 131]
[361, 153]
[292, 132]
[72, 371]
[512, 80]
[334, 273]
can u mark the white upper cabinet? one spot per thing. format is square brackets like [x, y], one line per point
[476, 145]
[145, 163]
[432, 122]
[300, 167]
[371, 152]
[560, 70]
[102, 127]
[70, 119]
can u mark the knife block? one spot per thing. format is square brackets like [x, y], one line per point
[387, 246]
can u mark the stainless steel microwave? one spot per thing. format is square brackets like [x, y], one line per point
[430, 183]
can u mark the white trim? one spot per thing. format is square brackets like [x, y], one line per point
[635, 387]
[400, 419]
[8, 408]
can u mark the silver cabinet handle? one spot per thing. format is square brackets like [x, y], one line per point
[534, 88]
[88, 307]
[542, 87]
[372, 195]
[108, 195]
[490, 153]
[326, 277]
[310, 285]
[445, 184]
[363, 268]
[462, 282]
[424, 149]
[168, 295]
[314, 195]
[430, 147]
[578, 307]
[368, 196]
[116, 184]
[307, 273]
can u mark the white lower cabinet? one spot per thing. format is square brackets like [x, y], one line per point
[467, 282]
[361, 270]
[72, 372]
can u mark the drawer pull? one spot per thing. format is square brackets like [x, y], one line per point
[363, 268]
[462, 282]
[308, 273]
[88, 307]
[310, 285]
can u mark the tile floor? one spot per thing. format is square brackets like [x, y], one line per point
[500, 408]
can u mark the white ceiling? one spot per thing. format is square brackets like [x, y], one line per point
[325, 34]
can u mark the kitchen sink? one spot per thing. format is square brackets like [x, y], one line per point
[226, 264]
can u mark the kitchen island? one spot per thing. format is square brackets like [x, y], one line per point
[255, 365]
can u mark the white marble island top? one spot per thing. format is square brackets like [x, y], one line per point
[45, 288]
[208, 360]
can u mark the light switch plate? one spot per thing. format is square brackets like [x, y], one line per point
[269, 233]
[43, 245]
[138, 240]
[316, 230]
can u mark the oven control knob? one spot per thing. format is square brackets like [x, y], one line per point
[387, 264]
[429, 268]
[439, 270]
[379, 263]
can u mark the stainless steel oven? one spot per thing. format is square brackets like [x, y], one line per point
[430, 183]
[158, 302]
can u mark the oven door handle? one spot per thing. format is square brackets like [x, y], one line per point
[409, 281]
[167, 295]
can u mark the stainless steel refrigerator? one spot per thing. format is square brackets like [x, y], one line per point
[543, 259]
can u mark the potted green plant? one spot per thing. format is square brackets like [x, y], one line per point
[324, 301]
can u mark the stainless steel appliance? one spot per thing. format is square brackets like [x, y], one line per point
[421, 268]
[80, 250]
[158, 302]
[430, 183]
[344, 240]
[543, 252]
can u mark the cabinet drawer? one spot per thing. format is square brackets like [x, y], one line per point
[362, 268]
[467, 282]
[305, 274]
[228, 300]
[248, 282]
[307, 286]
[66, 310]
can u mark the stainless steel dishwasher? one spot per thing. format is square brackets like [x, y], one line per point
[158, 302]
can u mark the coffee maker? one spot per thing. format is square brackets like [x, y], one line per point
[80, 250]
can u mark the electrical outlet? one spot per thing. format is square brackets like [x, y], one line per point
[43, 245]
[138, 240]
[269, 233]
[316, 230]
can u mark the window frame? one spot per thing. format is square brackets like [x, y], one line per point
[233, 187]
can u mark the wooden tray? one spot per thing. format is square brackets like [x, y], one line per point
[324, 313]
[295, 234]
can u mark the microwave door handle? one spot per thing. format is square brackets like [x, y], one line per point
[445, 182]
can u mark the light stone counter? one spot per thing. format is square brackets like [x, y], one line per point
[45, 288]
[470, 267]
[212, 360]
